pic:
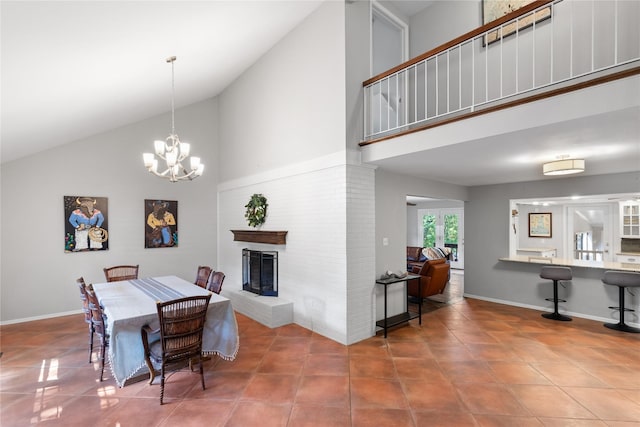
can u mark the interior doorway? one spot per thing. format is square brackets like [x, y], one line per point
[389, 39]
[437, 222]
[588, 232]
[389, 47]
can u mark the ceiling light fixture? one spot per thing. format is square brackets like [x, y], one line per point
[563, 166]
[172, 151]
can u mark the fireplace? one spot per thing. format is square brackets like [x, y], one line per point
[260, 272]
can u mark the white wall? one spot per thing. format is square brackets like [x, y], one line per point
[317, 266]
[413, 231]
[357, 68]
[289, 106]
[555, 49]
[38, 277]
[433, 26]
[283, 126]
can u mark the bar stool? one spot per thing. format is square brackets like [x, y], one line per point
[621, 279]
[556, 274]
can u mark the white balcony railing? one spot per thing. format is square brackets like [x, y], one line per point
[558, 42]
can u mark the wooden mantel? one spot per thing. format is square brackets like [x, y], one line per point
[260, 236]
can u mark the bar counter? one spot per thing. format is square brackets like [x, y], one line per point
[602, 265]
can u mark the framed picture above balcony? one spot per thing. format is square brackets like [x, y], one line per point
[494, 9]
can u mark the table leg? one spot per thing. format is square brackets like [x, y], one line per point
[385, 311]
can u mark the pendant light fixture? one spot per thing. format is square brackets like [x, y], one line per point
[173, 151]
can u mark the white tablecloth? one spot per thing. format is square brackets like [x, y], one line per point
[129, 305]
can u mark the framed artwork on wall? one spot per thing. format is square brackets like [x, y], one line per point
[494, 9]
[86, 225]
[161, 223]
[540, 224]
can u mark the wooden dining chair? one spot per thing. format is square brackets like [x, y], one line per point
[202, 278]
[215, 284]
[180, 344]
[86, 311]
[99, 321]
[121, 272]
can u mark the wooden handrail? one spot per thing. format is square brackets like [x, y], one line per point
[470, 35]
[510, 104]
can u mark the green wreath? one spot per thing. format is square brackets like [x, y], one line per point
[256, 213]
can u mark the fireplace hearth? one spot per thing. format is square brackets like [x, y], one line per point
[260, 272]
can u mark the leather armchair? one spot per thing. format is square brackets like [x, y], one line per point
[434, 276]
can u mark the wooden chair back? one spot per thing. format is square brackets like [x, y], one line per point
[181, 326]
[82, 286]
[202, 278]
[215, 285]
[99, 323]
[121, 272]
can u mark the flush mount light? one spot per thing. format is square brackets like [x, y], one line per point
[563, 166]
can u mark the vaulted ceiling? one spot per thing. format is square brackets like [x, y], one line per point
[74, 69]
[71, 69]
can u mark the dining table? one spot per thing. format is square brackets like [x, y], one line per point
[131, 304]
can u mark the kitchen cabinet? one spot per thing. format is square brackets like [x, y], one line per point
[630, 219]
[628, 258]
[541, 252]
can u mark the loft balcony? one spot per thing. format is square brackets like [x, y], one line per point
[544, 49]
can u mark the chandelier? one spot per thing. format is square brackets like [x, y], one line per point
[172, 150]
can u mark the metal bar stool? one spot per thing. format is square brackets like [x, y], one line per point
[556, 274]
[621, 279]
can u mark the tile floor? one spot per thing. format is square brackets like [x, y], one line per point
[470, 363]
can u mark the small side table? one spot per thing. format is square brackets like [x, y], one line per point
[388, 322]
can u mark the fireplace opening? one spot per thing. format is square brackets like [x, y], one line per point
[260, 272]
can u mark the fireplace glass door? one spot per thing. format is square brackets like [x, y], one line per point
[260, 272]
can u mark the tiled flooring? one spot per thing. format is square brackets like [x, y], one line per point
[471, 363]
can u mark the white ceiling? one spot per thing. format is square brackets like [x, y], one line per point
[609, 143]
[71, 69]
[74, 69]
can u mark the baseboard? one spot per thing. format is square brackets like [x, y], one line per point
[43, 317]
[545, 309]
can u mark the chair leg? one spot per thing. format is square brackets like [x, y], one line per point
[152, 371]
[621, 326]
[555, 315]
[162, 384]
[91, 330]
[102, 351]
[201, 373]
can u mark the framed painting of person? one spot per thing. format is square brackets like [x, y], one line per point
[161, 223]
[86, 224]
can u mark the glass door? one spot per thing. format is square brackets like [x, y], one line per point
[444, 228]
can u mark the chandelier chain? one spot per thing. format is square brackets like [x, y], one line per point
[172, 59]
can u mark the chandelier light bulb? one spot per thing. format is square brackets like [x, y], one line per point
[159, 147]
[185, 148]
